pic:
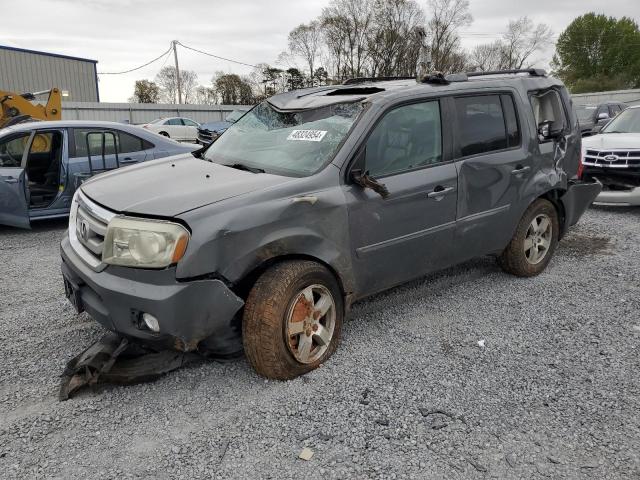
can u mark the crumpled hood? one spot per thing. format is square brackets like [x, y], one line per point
[171, 186]
[606, 141]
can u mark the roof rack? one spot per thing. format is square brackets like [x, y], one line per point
[534, 72]
[353, 81]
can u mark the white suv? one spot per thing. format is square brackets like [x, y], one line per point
[178, 128]
[613, 157]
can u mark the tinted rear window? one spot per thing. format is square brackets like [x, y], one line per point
[483, 126]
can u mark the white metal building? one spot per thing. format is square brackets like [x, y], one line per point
[31, 71]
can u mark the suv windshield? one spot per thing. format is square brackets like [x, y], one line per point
[627, 121]
[585, 112]
[285, 143]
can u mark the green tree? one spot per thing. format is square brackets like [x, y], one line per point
[599, 53]
[145, 91]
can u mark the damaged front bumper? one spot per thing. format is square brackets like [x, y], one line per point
[190, 314]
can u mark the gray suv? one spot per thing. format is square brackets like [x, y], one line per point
[319, 197]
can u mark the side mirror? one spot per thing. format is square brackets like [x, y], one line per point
[603, 116]
[366, 181]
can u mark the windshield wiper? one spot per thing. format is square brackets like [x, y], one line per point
[247, 168]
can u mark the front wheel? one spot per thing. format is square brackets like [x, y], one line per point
[292, 319]
[534, 242]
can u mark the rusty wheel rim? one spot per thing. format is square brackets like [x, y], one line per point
[538, 239]
[310, 322]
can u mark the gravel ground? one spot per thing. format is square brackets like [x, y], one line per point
[554, 392]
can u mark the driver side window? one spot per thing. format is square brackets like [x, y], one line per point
[407, 138]
[12, 150]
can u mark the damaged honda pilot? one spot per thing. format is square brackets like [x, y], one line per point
[319, 197]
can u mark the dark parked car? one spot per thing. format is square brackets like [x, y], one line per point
[209, 132]
[315, 199]
[593, 117]
[42, 163]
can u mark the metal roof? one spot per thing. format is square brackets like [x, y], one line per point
[47, 54]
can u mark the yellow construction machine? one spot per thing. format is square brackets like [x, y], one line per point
[18, 107]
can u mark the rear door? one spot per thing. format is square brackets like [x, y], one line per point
[191, 130]
[410, 232]
[175, 128]
[132, 149]
[493, 165]
[14, 201]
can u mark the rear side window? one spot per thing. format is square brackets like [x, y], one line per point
[126, 142]
[547, 107]
[486, 123]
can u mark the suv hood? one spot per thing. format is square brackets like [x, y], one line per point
[174, 185]
[606, 141]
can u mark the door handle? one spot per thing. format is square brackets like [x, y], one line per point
[440, 192]
[10, 180]
[520, 170]
[127, 160]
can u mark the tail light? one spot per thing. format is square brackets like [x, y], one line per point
[580, 167]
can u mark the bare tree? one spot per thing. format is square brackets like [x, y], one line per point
[348, 22]
[447, 17]
[393, 48]
[304, 41]
[522, 40]
[167, 81]
[486, 57]
[205, 95]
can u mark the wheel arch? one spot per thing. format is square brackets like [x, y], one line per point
[245, 284]
[555, 197]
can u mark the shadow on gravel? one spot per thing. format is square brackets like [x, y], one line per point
[581, 245]
[39, 226]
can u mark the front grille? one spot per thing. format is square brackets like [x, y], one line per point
[88, 223]
[91, 230]
[612, 158]
[205, 135]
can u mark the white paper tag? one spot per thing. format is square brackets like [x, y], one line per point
[307, 135]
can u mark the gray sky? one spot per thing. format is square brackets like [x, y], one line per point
[123, 34]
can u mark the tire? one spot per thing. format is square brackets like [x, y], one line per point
[278, 305]
[165, 134]
[521, 261]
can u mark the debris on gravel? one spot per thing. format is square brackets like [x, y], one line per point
[553, 394]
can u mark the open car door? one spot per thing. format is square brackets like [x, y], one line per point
[14, 202]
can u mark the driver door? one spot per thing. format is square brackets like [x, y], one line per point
[411, 231]
[14, 200]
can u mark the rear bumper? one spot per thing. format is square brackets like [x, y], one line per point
[187, 312]
[577, 199]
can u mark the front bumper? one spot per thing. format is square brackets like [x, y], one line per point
[627, 198]
[188, 312]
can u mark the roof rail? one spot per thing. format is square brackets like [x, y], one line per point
[356, 80]
[534, 72]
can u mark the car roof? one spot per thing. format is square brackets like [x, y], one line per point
[384, 91]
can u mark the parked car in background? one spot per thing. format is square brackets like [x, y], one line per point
[613, 157]
[209, 132]
[43, 163]
[593, 117]
[267, 239]
[178, 128]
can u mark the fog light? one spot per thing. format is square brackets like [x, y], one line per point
[151, 322]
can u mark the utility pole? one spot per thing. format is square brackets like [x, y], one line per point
[175, 56]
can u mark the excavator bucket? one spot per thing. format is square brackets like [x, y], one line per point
[114, 359]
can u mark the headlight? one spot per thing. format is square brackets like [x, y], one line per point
[135, 242]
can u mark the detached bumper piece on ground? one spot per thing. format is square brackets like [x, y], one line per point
[115, 359]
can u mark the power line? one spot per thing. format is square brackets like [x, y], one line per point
[217, 56]
[138, 68]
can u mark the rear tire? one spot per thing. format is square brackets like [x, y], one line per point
[292, 319]
[534, 242]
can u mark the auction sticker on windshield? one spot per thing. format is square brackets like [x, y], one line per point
[307, 135]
